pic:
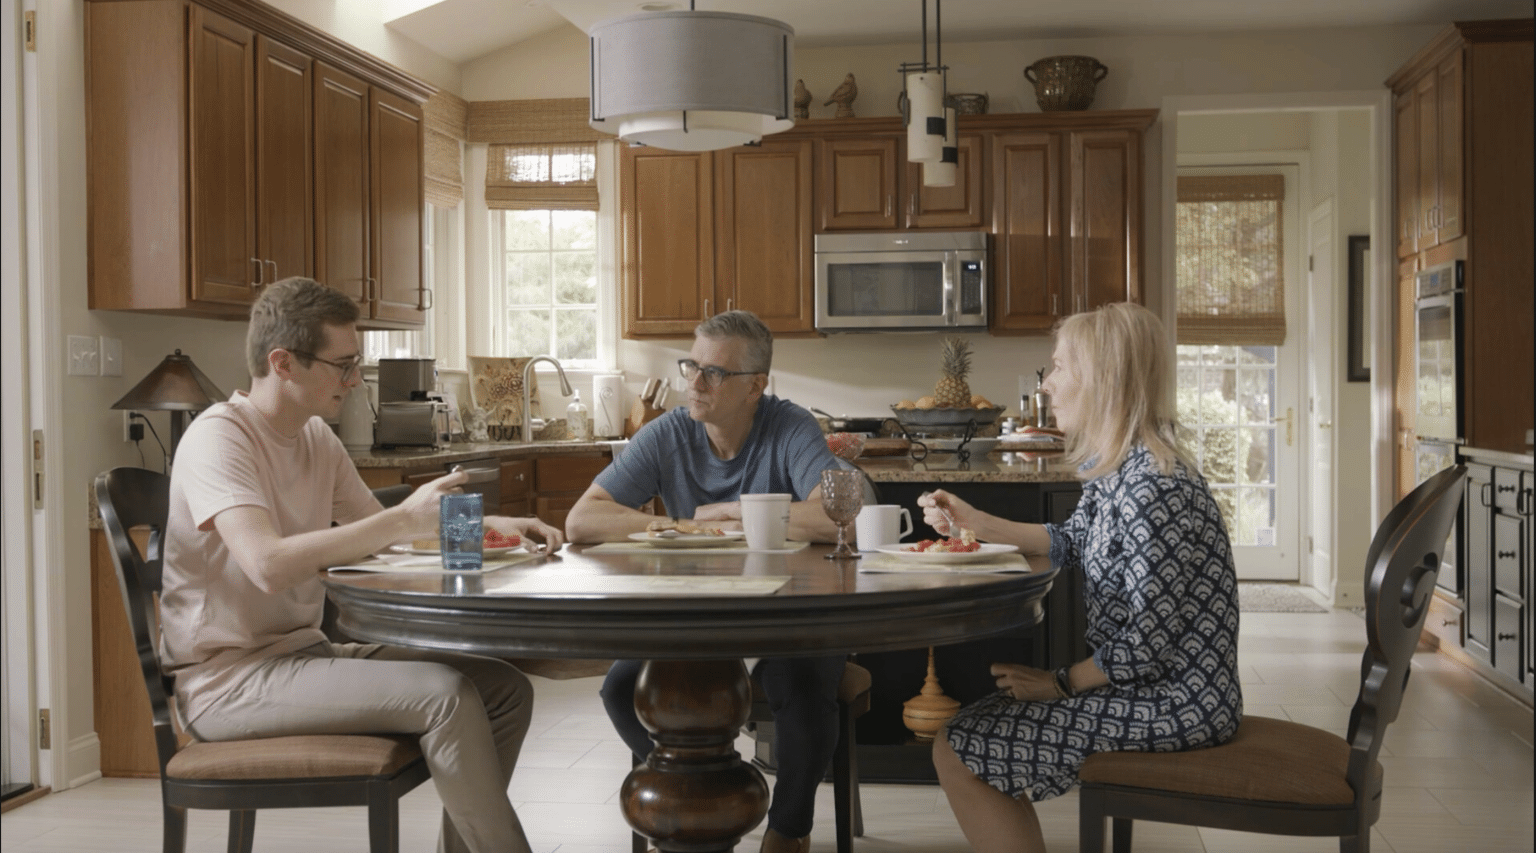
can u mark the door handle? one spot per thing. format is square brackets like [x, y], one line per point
[1290, 422]
[274, 270]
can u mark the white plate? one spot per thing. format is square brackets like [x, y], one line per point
[987, 551]
[690, 540]
[435, 552]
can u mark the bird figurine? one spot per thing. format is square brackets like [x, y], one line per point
[802, 100]
[843, 96]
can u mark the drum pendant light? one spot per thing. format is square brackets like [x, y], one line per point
[924, 88]
[692, 81]
[941, 173]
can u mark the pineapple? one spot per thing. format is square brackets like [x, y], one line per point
[952, 392]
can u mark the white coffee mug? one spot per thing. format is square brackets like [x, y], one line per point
[765, 518]
[881, 524]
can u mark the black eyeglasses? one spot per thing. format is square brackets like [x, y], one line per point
[713, 376]
[348, 368]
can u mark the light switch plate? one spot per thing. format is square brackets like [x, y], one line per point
[84, 357]
[111, 356]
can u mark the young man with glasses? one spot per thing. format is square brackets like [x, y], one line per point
[257, 484]
[731, 439]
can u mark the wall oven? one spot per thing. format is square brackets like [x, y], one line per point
[904, 281]
[1438, 364]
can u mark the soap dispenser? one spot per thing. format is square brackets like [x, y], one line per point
[577, 424]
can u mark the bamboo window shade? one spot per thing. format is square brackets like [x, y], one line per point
[446, 117]
[542, 154]
[1231, 274]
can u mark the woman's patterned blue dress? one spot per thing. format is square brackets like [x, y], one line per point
[1162, 623]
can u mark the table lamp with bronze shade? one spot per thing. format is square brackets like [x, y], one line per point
[175, 386]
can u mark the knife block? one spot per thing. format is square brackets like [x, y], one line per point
[640, 414]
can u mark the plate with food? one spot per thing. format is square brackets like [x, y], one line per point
[495, 544]
[947, 551]
[685, 533]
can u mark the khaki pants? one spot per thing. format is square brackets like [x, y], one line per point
[471, 714]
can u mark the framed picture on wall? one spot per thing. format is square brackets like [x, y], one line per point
[1359, 366]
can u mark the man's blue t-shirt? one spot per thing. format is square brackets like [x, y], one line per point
[785, 452]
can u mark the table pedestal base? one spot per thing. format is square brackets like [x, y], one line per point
[694, 794]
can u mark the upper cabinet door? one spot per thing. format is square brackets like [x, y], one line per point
[1104, 217]
[1426, 96]
[398, 203]
[667, 206]
[1406, 110]
[342, 184]
[763, 239]
[960, 206]
[284, 171]
[1027, 239]
[221, 85]
[858, 183]
[1448, 108]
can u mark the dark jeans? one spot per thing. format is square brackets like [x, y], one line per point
[803, 695]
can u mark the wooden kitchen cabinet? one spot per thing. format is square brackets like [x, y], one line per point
[1066, 223]
[369, 198]
[561, 480]
[960, 207]
[667, 224]
[858, 183]
[763, 246]
[517, 488]
[202, 148]
[1495, 563]
[708, 232]
[1428, 109]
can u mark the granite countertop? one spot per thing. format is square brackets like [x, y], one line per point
[995, 467]
[428, 457]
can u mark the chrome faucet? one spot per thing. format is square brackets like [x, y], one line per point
[529, 377]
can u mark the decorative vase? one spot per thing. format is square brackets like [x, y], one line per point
[930, 709]
[1065, 82]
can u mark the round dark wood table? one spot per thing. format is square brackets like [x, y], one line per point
[692, 615]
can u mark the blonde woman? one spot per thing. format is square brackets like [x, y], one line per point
[1160, 586]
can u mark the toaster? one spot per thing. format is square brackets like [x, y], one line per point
[406, 425]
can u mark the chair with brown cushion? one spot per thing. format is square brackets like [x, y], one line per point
[1280, 777]
[852, 703]
[239, 776]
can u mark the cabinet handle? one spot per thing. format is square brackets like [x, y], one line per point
[274, 270]
[257, 262]
[730, 305]
[1482, 495]
[1502, 489]
[430, 299]
[1509, 636]
[1506, 555]
[1523, 502]
[889, 202]
[1054, 312]
[1449, 622]
[706, 309]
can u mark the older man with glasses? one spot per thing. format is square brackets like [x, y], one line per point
[731, 439]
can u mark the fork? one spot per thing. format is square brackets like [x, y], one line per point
[948, 519]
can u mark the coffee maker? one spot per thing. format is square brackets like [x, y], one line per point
[407, 416]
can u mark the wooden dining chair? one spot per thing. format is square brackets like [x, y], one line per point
[246, 775]
[852, 703]
[1283, 778]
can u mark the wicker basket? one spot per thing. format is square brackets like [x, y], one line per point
[1065, 82]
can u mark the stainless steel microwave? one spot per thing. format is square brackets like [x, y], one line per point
[903, 281]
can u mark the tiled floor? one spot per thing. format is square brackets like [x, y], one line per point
[1458, 770]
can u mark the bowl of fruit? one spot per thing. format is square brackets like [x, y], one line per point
[951, 408]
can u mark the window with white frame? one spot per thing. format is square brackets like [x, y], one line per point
[544, 274]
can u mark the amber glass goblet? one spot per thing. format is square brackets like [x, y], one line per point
[842, 496]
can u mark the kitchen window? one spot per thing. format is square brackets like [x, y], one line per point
[550, 245]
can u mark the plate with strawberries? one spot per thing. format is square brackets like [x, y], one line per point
[947, 551]
[496, 543]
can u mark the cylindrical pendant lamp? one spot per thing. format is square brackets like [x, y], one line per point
[942, 173]
[925, 110]
[692, 81]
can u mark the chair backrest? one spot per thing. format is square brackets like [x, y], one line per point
[129, 498]
[1402, 563]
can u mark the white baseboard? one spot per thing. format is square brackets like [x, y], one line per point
[82, 761]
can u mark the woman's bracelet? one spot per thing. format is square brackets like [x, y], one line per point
[1064, 683]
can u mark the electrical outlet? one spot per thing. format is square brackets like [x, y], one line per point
[128, 426]
[111, 356]
[84, 356]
